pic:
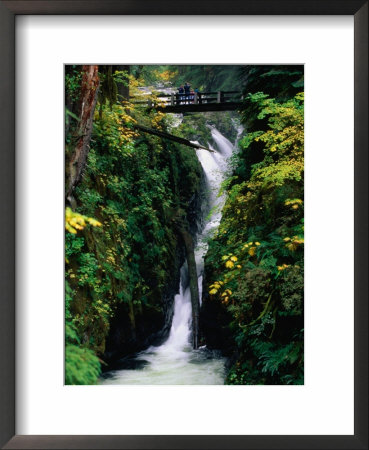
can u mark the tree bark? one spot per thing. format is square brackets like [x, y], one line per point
[77, 163]
[194, 287]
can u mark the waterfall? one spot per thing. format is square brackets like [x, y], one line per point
[175, 362]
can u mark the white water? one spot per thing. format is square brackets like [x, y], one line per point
[175, 362]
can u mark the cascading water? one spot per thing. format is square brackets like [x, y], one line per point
[175, 362]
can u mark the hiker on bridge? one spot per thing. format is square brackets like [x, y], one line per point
[180, 95]
[192, 96]
[187, 90]
[197, 92]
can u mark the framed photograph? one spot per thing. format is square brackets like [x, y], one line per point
[185, 224]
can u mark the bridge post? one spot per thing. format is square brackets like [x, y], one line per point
[219, 96]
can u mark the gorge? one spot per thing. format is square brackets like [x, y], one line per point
[184, 244]
[175, 361]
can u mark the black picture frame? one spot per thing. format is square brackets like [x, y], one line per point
[8, 11]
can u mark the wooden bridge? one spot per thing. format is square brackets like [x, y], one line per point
[194, 102]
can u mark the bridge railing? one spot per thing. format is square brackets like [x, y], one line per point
[177, 98]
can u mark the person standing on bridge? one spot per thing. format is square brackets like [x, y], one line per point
[180, 92]
[197, 92]
[187, 89]
[192, 96]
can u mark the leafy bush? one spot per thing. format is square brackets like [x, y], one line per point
[81, 364]
[254, 265]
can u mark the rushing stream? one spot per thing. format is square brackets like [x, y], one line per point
[175, 362]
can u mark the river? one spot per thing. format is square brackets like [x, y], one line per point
[175, 362]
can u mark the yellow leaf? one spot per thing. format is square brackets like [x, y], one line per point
[291, 246]
[229, 264]
[252, 251]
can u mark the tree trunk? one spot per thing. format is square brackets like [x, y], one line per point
[77, 163]
[194, 287]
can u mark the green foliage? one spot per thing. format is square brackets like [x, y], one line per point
[255, 262]
[280, 82]
[205, 77]
[132, 187]
[73, 79]
[108, 87]
[197, 126]
[194, 127]
[81, 364]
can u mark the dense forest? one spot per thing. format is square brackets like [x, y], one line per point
[137, 202]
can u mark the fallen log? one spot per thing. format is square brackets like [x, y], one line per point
[164, 135]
